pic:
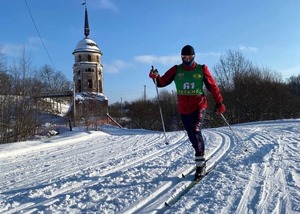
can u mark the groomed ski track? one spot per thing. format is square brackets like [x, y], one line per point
[155, 201]
[93, 172]
[141, 152]
[133, 171]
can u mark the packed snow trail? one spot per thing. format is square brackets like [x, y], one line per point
[122, 171]
[266, 179]
[190, 183]
[155, 201]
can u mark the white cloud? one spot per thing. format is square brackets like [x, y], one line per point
[13, 49]
[34, 42]
[106, 4]
[292, 71]
[152, 59]
[172, 59]
[248, 48]
[210, 54]
[115, 66]
[169, 60]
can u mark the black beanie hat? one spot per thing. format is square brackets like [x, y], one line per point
[187, 50]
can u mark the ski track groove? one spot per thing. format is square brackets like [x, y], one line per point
[64, 156]
[271, 183]
[174, 143]
[155, 201]
[257, 195]
[44, 176]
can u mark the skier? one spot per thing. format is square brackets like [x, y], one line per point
[190, 78]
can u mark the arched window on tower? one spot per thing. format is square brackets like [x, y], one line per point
[89, 58]
[98, 59]
[79, 86]
[79, 58]
[90, 83]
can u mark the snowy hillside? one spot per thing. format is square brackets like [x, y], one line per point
[133, 171]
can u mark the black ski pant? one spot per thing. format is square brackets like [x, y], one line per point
[193, 124]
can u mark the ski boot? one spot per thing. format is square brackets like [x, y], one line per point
[200, 167]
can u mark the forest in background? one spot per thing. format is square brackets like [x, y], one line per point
[250, 93]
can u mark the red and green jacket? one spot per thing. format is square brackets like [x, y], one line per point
[190, 100]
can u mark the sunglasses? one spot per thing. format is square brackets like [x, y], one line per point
[187, 57]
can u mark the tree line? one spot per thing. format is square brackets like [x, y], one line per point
[250, 94]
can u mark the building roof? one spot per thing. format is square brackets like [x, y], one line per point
[87, 45]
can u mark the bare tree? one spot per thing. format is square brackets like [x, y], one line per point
[228, 71]
[168, 102]
[52, 81]
[294, 84]
[19, 116]
[144, 114]
[230, 67]
[251, 93]
[5, 99]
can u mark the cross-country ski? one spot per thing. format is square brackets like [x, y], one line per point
[188, 185]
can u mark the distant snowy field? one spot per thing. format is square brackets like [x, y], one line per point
[133, 171]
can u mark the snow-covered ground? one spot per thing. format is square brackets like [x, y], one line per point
[132, 171]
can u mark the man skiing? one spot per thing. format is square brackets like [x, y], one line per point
[190, 78]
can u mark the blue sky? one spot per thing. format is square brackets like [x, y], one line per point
[135, 34]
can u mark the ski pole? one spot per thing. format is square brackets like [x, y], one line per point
[160, 111]
[230, 127]
[232, 130]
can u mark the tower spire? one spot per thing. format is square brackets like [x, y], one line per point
[86, 24]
